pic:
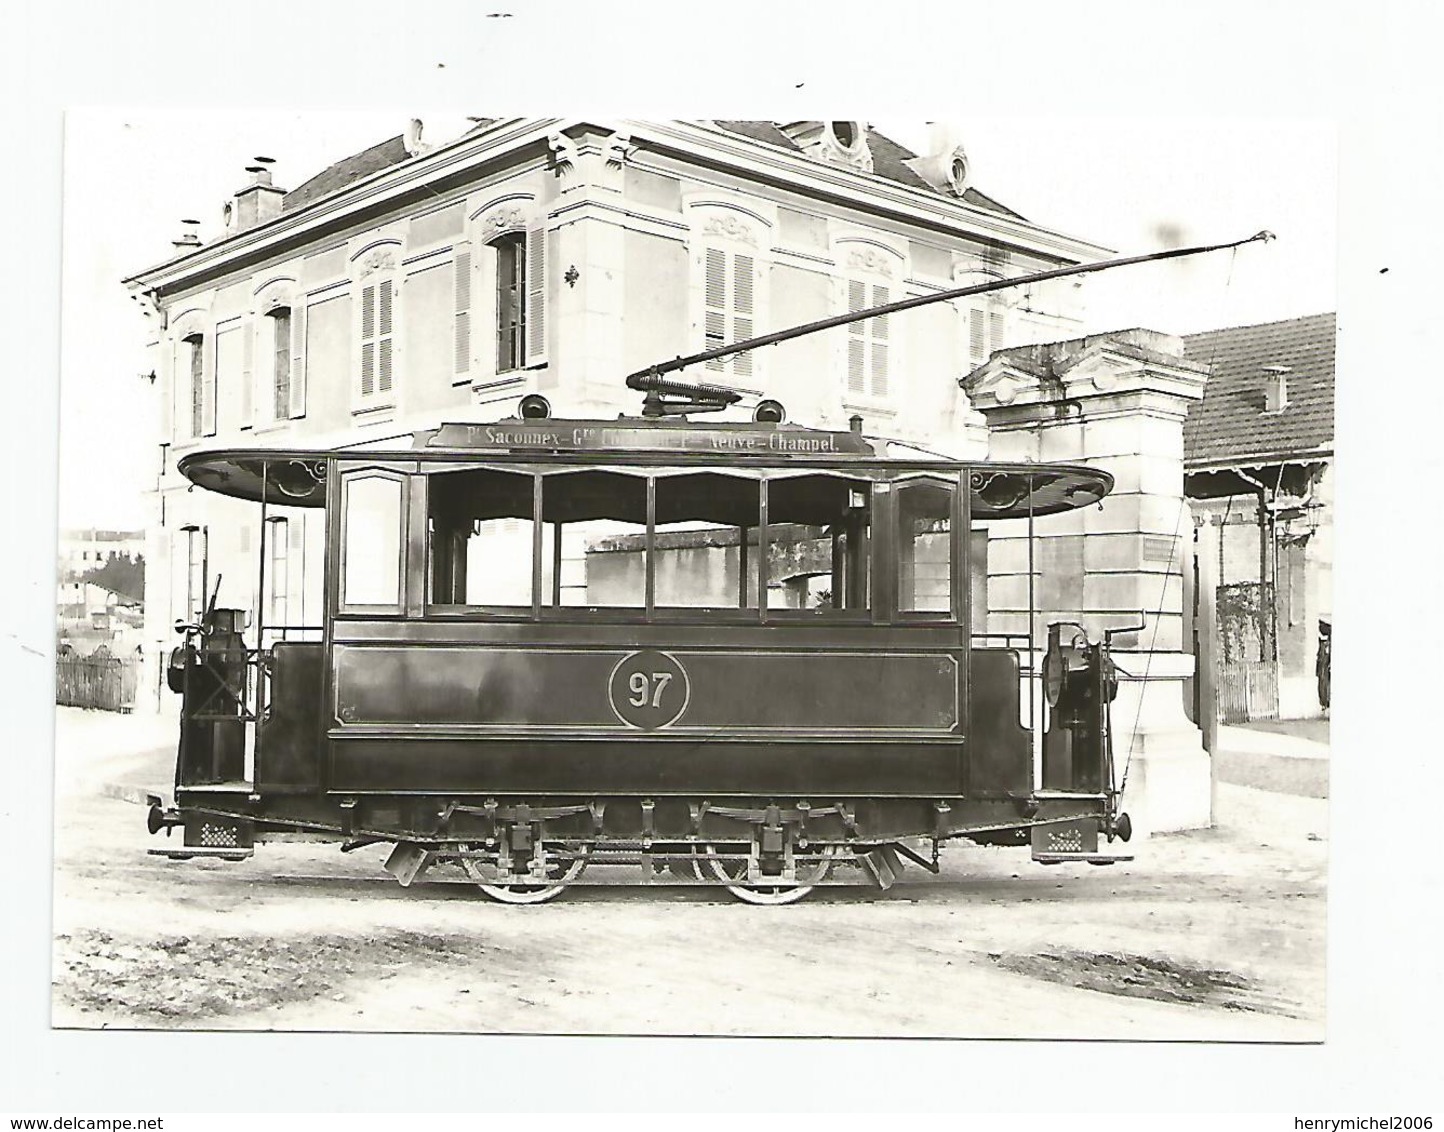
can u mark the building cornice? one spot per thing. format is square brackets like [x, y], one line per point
[384, 186]
[699, 144]
[851, 186]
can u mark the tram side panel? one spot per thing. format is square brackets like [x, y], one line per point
[509, 717]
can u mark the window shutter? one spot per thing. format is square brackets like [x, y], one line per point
[462, 293]
[368, 341]
[995, 330]
[536, 296]
[298, 351]
[208, 384]
[743, 267]
[878, 327]
[977, 336]
[383, 335]
[166, 369]
[857, 339]
[714, 297]
[248, 380]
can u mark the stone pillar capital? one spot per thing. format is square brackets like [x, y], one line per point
[1112, 374]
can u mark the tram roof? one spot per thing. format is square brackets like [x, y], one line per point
[297, 477]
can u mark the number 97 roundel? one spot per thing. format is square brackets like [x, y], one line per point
[649, 689]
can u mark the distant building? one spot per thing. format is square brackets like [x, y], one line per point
[1259, 471]
[88, 548]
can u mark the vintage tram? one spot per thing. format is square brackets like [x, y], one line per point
[735, 653]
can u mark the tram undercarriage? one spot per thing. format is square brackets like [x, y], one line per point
[529, 851]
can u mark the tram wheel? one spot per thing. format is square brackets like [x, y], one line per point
[729, 870]
[484, 875]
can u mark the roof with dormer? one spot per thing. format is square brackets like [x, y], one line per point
[1231, 427]
[889, 161]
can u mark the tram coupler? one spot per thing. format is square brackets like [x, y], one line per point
[159, 818]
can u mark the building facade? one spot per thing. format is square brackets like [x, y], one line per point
[1259, 461]
[410, 285]
[82, 549]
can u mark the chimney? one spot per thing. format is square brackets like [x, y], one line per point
[260, 200]
[1276, 388]
[189, 237]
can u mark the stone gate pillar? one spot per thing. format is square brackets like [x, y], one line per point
[1113, 401]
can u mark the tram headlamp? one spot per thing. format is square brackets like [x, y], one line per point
[534, 407]
[769, 412]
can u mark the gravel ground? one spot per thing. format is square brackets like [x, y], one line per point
[1213, 935]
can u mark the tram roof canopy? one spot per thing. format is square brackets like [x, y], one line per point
[297, 478]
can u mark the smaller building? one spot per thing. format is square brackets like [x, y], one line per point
[88, 548]
[1259, 474]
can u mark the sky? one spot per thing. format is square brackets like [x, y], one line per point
[1131, 184]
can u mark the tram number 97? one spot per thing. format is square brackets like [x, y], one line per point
[649, 689]
[639, 685]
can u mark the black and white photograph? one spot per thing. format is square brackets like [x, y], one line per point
[711, 567]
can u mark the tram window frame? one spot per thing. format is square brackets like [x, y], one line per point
[861, 600]
[957, 561]
[745, 608]
[434, 564]
[350, 478]
[879, 593]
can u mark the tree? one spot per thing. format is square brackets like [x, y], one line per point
[122, 574]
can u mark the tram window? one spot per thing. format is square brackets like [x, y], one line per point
[924, 546]
[818, 543]
[371, 540]
[480, 532]
[595, 540]
[704, 553]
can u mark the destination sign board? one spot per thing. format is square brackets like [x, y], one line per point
[668, 436]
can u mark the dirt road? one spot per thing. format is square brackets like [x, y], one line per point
[1209, 935]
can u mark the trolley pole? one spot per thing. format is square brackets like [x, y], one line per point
[1206, 658]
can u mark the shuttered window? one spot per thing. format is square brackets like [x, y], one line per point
[729, 303]
[987, 332]
[867, 341]
[278, 572]
[376, 342]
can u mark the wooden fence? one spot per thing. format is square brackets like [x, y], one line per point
[1247, 690]
[98, 681]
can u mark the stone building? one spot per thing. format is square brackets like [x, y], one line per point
[1259, 463]
[412, 284]
[82, 549]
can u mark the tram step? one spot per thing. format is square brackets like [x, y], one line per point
[187, 852]
[1091, 858]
